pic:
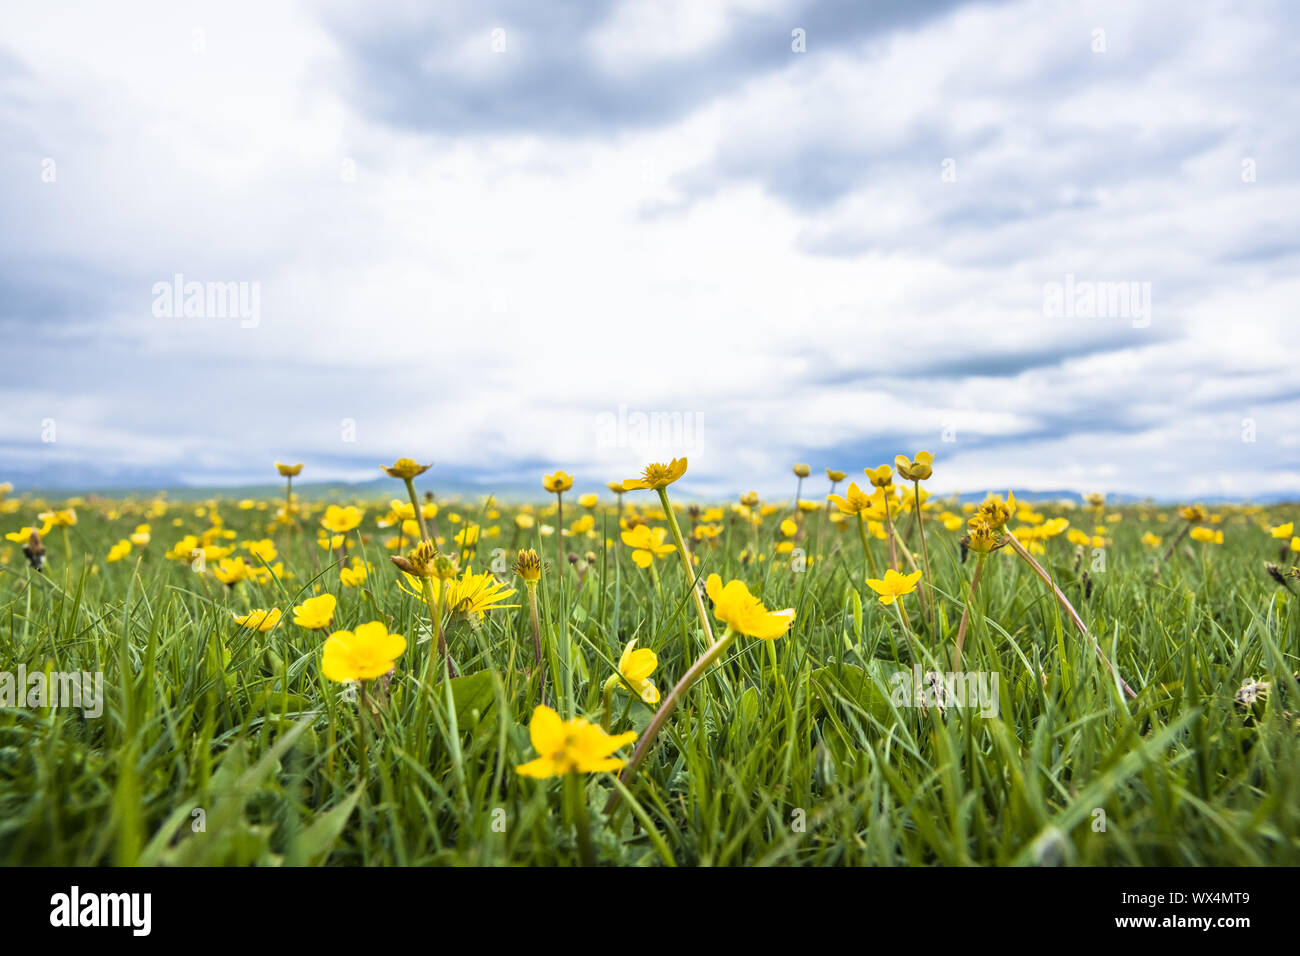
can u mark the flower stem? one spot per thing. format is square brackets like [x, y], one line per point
[666, 708]
[581, 823]
[419, 512]
[862, 533]
[925, 557]
[1069, 609]
[537, 640]
[965, 611]
[686, 564]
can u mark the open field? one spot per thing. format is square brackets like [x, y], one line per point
[214, 742]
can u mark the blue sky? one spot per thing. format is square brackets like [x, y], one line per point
[516, 236]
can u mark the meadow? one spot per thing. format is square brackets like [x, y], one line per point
[876, 676]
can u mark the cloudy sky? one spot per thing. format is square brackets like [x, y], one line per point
[513, 236]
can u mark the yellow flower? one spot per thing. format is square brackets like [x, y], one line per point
[141, 536]
[354, 576]
[802, 471]
[880, 477]
[894, 585]
[635, 667]
[835, 476]
[288, 471]
[852, 501]
[258, 619]
[119, 551]
[1207, 536]
[264, 549]
[744, 613]
[997, 512]
[588, 500]
[616, 487]
[789, 528]
[469, 595]
[64, 518]
[657, 475]
[315, 613]
[1079, 538]
[1193, 513]
[917, 469]
[649, 544]
[1151, 540]
[230, 572]
[341, 520]
[529, 566]
[363, 654]
[570, 746]
[558, 482]
[404, 468]
[749, 499]
[1283, 531]
[981, 537]
[1295, 544]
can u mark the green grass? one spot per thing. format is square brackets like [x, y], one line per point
[788, 753]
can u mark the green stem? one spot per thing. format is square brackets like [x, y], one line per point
[666, 708]
[578, 808]
[419, 512]
[686, 564]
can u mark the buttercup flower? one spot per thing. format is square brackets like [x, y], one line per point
[288, 471]
[405, 468]
[1283, 531]
[119, 551]
[744, 613]
[1193, 513]
[570, 746]
[917, 469]
[880, 477]
[894, 585]
[635, 666]
[852, 501]
[341, 520]
[835, 476]
[558, 482]
[996, 512]
[649, 544]
[315, 614]
[1207, 536]
[259, 619]
[363, 654]
[802, 471]
[657, 475]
